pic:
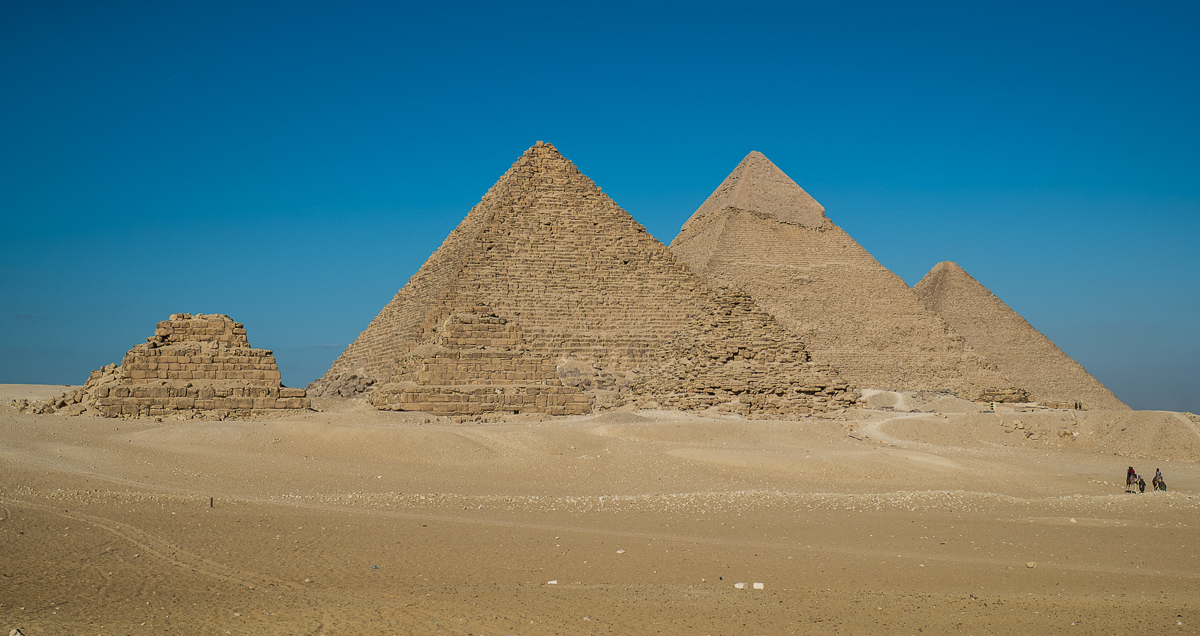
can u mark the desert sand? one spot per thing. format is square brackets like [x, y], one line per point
[348, 520]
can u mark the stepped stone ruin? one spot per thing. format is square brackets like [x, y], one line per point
[761, 232]
[192, 364]
[1021, 352]
[549, 298]
[478, 363]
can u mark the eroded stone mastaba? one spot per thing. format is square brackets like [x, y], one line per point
[1021, 352]
[193, 364]
[761, 232]
[584, 284]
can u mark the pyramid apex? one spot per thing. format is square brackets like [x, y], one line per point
[940, 276]
[542, 149]
[947, 266]
[758, 185]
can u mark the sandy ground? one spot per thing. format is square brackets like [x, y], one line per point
[352, 521]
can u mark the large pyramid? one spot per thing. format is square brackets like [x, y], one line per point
[547, 272]
[761, 232]
[1021, 352]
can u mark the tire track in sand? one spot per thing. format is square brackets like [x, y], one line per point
[160, 548]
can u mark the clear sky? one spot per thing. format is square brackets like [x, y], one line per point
[292, 164]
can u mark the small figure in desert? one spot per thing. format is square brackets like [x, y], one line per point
[1158, 481]
[1134, 483]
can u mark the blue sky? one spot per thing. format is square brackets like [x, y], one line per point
[292, 164]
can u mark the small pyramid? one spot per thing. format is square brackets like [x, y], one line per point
[1021, 352]
[545, 249]
[761, 232]
[199, 363]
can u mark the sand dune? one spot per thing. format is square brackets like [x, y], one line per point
[349, 521]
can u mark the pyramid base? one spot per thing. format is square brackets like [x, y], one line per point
[806, 401]
[1004, 395]
[166, 398]
[461, 401]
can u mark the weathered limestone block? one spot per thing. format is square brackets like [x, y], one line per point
[459, 376]
[1006, 395]
[710, 364]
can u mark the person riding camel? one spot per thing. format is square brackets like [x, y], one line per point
[1158, 481]
[1132, 479]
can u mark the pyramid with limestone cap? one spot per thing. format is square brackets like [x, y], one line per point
[1021, 352]
[760, 186]
[761, 232]
[557, 260]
